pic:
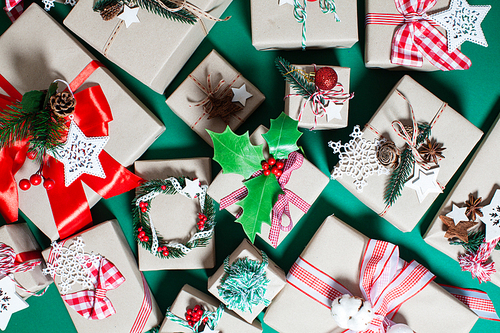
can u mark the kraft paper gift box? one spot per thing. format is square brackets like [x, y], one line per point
[189, 297]
[294, 104]
[274, 274]
[46, 57]
[275, 27]
[153, 50]
[337, 249]
[128, 299]
[19, 237]
[184, 99]
[451, 129]
[481, 178]
[175, 216]
[307, 182]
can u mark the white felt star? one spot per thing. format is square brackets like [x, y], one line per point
[333, 111]
[241, 94]
[462, 22]
[10, 301]
[457, 214]
[192, 188]
[424, 182]
[129, 15]
[282, 2]
[491, 217]
[207, 329]
[80, 154]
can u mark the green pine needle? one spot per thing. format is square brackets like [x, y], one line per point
[476, 238]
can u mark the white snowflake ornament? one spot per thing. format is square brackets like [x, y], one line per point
[10, 301]
[48, 4]
[70, 2]
[351, 312]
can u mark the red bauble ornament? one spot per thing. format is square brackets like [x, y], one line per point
[24, 184]
[48, 183]
[35, 179]
[326, 78]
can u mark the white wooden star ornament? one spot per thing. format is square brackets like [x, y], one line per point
[491, 217]
[207, 329]
[241, 94]
[129, 15]
[192, 188]
[424, 182]
[10, 301]
[457, 214]
[332, 111]
[80, 154]
[282, 2]
[462, 23]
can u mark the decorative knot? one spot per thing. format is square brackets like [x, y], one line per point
[8, 264]
[100, 293]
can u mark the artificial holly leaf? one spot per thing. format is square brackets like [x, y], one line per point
[52, 91]
[282, 137]
[33, 101]
[235, 153]
[263, 192]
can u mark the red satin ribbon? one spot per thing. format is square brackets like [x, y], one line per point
[27, 256]
[69, 205]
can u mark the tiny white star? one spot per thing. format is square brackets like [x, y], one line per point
[192, 188]
[491, 217]
[241, 94]
[457, 214]
[333, 111]
[208, 330]
[129, 15]
[282, 2]
[424, 182]
[15, 302]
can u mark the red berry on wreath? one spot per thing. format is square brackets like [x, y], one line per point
[265, 165]
[141, 204]
[49, 183]
[163, 187]
[271, 161]
[267, 172]
[140, 229]
[24, 184]
[144, 209]
[31, 154]
[280, 165]
[35, 179]
[145, 239]
[142, 234]
[326, 78]
[165, 253]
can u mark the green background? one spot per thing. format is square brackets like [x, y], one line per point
[473, 93]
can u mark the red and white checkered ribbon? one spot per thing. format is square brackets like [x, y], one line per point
[93, 304]
[476, 263]
[14, 9]
[385, 280]
[478, 301]
[282, 206]
[417, 37]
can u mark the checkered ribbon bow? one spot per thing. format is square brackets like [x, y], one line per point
[8, 263]
[417, 38]
[13, 8]
[93, 304]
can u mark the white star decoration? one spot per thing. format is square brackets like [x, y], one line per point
[10, 301]
[491, 217]
[424, 182]
[129, 15]
[457, 214]
[462, 22]
[80, 154]
[333, 111]
[208, 330]
[192, 188]
[282, 2]
[241, 94]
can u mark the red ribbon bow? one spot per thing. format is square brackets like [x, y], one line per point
[69, 204]
[23, 262]
[93, 304]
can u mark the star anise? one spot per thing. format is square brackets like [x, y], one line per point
[431, 151]
[473, 207]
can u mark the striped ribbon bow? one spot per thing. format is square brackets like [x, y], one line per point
[93, 304]
[417, 38]
[9, 264]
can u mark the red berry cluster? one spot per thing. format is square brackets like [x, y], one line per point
[194, 315]
[163, 250]
[142, 235]
[202, 219]
[143, 205]
[271, 166]
[36, 179]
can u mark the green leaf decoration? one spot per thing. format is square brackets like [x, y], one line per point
[282, 137]
[295, 78]
[33, 101]
[476, 239]
[235, 153]
[263, 191]
[52, 91]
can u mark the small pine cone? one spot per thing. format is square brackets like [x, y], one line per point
[388, 154]
[62, 104]
[111, 11]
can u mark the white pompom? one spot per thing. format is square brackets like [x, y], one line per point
[400, 328]
[351, 312]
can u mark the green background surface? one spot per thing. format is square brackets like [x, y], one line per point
[473, 93]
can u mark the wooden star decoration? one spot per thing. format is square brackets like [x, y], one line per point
[473, 207]
[457, 231]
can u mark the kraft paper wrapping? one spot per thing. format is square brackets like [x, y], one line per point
[273, 272]
[19, 237]
[107, 239]
[451, 129]
[175, 216]
[275, 27]
[378, 38]
[472, 181]
[189, 297]
[183, 100]
[30, 59]
[154, 50]
[337, 249]
[307, 182]
[293, 104]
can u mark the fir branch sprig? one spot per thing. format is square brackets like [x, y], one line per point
[476, 238]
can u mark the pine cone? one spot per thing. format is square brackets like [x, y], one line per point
[111, 11]
[62, 104]
[388, 154]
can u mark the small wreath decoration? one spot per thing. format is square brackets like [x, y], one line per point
[147, 235]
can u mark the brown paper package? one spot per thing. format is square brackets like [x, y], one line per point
[379, 37]
[162, 45]
[175, 216]
[107, 239]
[189, 297]
[337, 249]
[58, 55]
[183, 100]
[455, 132]
[307, 182]
[293, 104]
[472, 181]
[275, 27]
[275, 274]
[19, 237]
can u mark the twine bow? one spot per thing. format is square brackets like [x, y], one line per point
[9, 264]
[195, 10]
[476, 263]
